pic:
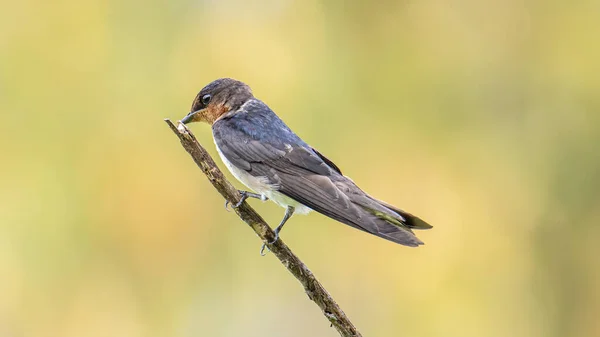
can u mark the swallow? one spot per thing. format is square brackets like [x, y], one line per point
[265, 155]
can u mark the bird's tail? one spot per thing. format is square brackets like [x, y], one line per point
[410, 221]
[392, 223]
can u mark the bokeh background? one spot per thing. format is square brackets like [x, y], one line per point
[483, 117]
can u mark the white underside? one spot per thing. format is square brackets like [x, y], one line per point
[261, 186]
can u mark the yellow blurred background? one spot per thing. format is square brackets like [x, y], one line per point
[483, 117]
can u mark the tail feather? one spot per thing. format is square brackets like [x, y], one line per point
[392, 223]
[396, 234]
[411, 221]
[389, 227]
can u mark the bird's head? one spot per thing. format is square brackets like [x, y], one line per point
[217, 99]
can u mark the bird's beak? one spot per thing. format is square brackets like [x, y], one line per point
[193, 116]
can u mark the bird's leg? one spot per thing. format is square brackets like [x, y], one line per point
[246, 195]
[288, 214]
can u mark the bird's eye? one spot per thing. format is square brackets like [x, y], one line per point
[206, 99]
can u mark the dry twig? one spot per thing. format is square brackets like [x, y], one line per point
[315, 291]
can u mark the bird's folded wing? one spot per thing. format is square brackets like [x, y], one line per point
[301, 174]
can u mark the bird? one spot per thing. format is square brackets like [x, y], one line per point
[265, 155]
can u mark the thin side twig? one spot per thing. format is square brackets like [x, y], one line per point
[315, 291]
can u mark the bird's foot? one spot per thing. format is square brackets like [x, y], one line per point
[276, 238]
[288, 213]
[262, 249]
[245, 195]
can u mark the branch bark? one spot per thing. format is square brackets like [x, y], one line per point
[315, 291]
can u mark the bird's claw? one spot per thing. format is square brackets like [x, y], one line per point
[239, 203]
[262, 249]
[276, 238]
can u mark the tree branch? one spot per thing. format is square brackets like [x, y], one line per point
[315, 291]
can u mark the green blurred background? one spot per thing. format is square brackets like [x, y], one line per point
[483, 117]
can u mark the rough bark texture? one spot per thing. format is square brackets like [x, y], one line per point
[315, 291]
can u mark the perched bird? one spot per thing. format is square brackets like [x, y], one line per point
[263, 153]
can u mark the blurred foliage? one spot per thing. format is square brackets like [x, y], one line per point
[481, 116]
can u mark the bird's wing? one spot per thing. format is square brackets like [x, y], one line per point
[302, 174]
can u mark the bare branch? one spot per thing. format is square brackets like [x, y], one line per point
[315, 291]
